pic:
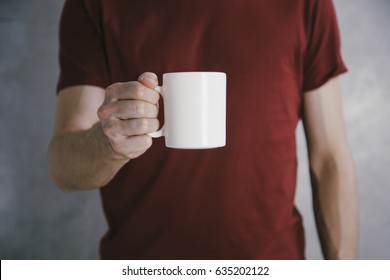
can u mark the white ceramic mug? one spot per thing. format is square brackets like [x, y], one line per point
[195, 110]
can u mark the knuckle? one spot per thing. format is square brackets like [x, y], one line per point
[139, 90]
[142, 125]
[156, 98]
[140, 108]
[102, 112]
[152, 111]
[111, 129]
[110, 90]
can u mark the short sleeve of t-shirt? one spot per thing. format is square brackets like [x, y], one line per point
[322, 58]
[83, 61]
[81, 54]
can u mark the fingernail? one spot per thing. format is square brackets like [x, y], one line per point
[149, 76]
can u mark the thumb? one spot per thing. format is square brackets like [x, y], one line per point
[148, 79]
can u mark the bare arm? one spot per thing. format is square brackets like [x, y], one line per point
[332, 172]
[97, 131]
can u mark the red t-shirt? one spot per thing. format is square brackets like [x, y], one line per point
[235, 202]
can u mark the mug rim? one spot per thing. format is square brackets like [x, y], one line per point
[195, 72]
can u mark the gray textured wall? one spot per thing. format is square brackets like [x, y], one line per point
[365, 35]
[39, 222]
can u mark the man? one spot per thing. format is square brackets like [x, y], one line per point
[282, 60]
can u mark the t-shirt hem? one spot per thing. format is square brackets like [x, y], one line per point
[340, 69]
[62, 86]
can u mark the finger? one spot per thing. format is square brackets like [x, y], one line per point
[148, 79]
[131, 90]
[130, 109]
[132, 146]
[139, 126]
[121, 129]
[136, 154]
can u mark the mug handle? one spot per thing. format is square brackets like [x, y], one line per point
[160, 132]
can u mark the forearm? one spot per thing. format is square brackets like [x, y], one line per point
[82, 159]
[335, 206]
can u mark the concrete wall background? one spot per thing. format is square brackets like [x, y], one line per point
[365, 33]
[37, 221]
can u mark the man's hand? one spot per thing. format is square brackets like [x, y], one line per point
[91, 142]
[128, 113]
